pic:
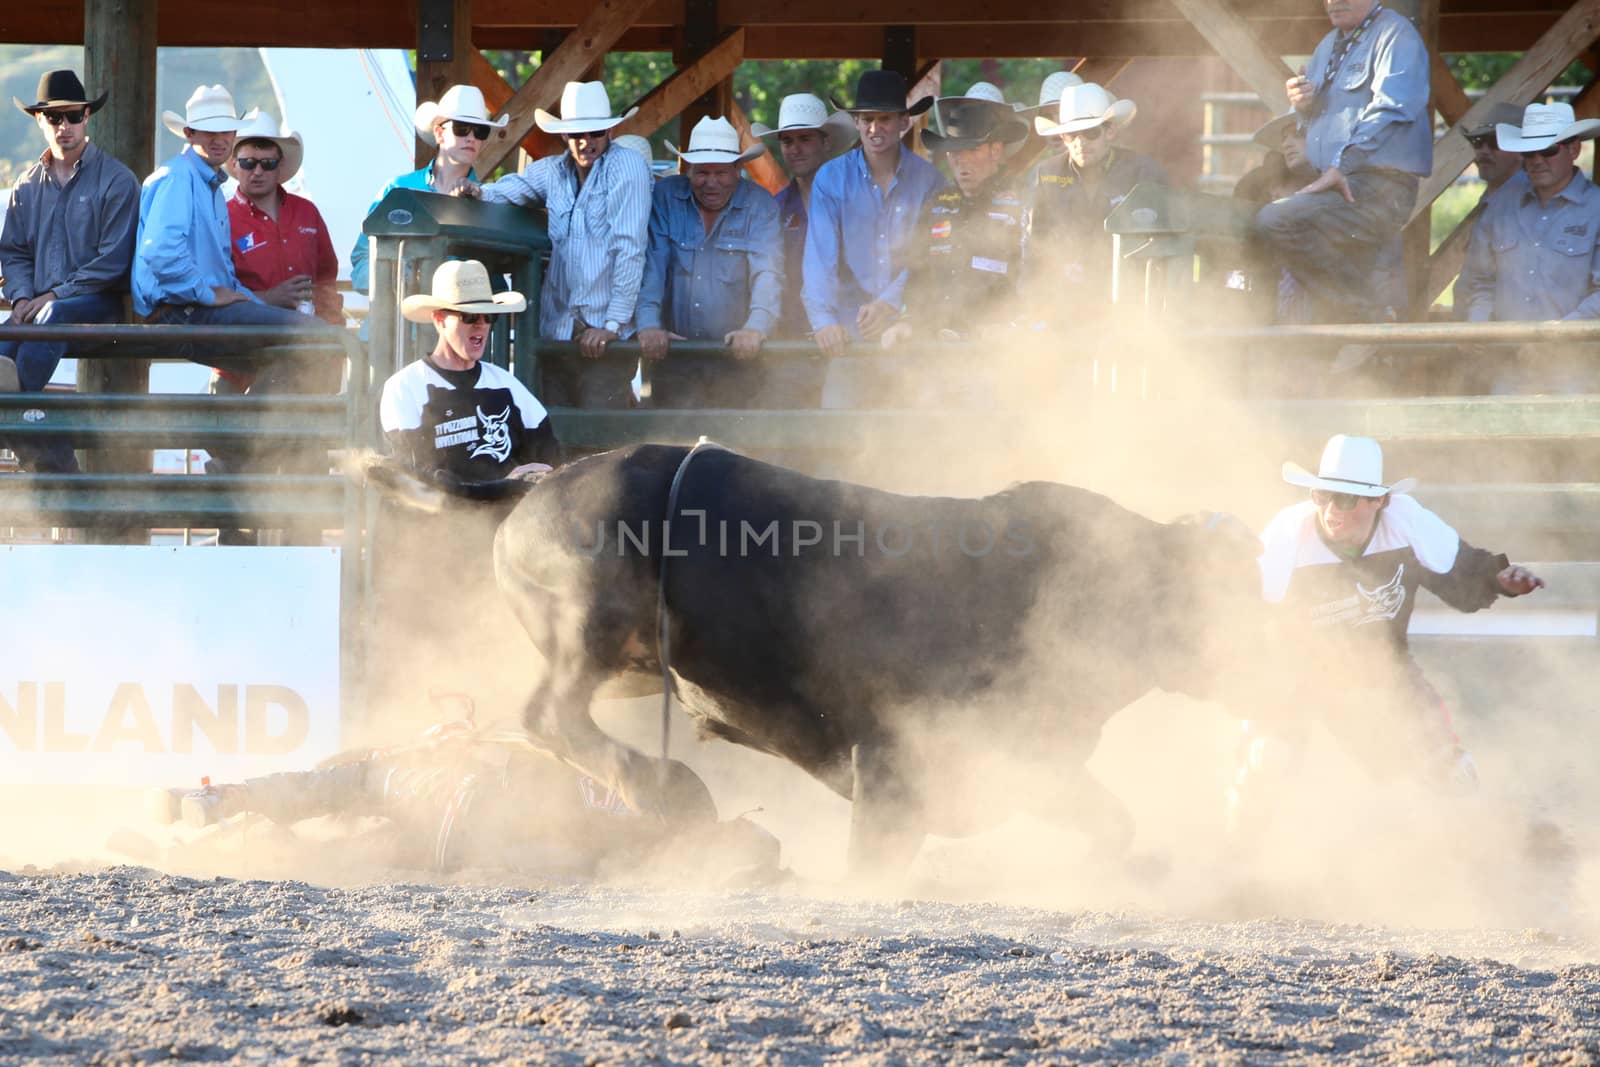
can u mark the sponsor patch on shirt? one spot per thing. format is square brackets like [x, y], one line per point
[1581, 230]
[1057, 179]
[940, 229]
[1005, 217]
[993, 266]
[248, 243]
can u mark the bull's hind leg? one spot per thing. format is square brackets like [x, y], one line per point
[886, 815]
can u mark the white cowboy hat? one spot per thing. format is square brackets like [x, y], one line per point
[988, 92]
[1083, 107]
[1349, 465]
[259, 126]
[585, 108]
[1542, 126]
[461, 285]
[209, 108]
[803, 111]
[1052, 87]
[1270, 135]
[639, 146]
[463, 103]
[714, 140]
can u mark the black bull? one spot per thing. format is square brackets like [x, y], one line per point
[940, 662]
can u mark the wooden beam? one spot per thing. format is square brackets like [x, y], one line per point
[1237, 43]
[1449, 99]
[699, 33]
[663, 103]
[1102, 70]
[444, 54]
[1417, 237]
[497, 93]
[1444, 266]
[591, 40]
[1586, 105]
[1531, 75]
[763, 170]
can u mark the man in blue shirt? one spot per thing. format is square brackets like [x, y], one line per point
[864, 211]
[183, 259]
[1368, 134]
[807, 138]
[713, 271]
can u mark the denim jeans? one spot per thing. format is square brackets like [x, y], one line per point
[36, 362]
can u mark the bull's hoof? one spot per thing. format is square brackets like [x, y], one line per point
[1148, 869]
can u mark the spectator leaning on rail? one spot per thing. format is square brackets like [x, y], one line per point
[450, 415]
[66, 247]
[968, 249]
[183, 265]
[597, 202]
[281, 249]
[1499, 170]
[459, 124]
[713, 272]
[1348, 562]
[1068, 249]
[1365, 104]
[807, 138]
[864, 210]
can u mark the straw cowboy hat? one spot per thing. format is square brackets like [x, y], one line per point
[462, 103]
[1083, 107]
[259, 126]
[714, 140]
[461, 285]
[1349, 465]
[61, 88]
[803, 111]
[1542, 126]
[986, 91]
[969, 122]
[585, 108]
[1510, 114]
[1270, 135]
[1051, 88]
[209, 109]
[883, 91]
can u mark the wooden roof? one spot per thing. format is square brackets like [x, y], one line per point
[784, 29]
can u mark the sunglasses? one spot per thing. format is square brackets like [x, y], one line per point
[472, 319]
[469, 129]
[56, 118]
[1341, 501]
[1093, 133]
[1548, 153]
[1481, 141]
[268, 165]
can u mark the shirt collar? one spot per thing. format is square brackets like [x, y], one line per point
[866, 172]
[89, 146]
[1573, 192]
[213, 177]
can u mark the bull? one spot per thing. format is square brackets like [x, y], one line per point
[940, 662]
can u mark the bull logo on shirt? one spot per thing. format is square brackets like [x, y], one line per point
[496, 429]
[1384, 602]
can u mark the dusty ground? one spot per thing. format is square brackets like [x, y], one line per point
[129, 966]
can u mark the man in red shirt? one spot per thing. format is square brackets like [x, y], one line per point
[281, 248]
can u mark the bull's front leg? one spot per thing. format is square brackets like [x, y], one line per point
[887, 822]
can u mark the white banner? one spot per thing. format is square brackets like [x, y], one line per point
[153, 666]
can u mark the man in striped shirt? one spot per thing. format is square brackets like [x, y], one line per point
[597, 201]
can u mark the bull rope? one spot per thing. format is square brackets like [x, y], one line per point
[663, 638]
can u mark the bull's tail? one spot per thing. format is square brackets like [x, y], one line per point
[426, 494]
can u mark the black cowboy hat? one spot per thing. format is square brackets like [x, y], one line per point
[61, 88]
[882, 90]
[969, 122]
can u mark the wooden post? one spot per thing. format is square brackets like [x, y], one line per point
[900, 51]
[444, 53]
[1417, 238]
[119, 54]
[696, 39]
[681, 90]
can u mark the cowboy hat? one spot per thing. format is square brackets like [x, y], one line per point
[461, 285]
[209, 109]
[882, 91]
[1083, 107]
[585, 108]
[1544, 125]
[1270, 135]
[639, 146]
[1351, 465]
[969, 122]
[1510, 114]
[259, 126]
[461, 103]
[714, 140]
[61, 88]
[802, 111]
[1051, 88]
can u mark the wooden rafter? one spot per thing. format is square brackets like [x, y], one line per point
[497, 92]
[1449, 99]
[764, 169]
[600, 29]
[1102, 70]
[1236, 42]
[1447, 260]
[1573, 33]
[665, 101]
